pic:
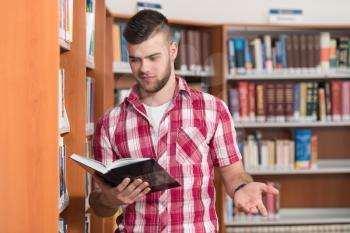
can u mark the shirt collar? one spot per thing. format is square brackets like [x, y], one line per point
[181, 87]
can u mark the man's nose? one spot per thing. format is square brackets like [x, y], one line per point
[144, 66]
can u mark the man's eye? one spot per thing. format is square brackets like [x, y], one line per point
[154, 58]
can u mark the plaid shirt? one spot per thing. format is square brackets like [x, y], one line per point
[196, 133]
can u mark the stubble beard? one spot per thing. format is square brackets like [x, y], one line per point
[158, 83]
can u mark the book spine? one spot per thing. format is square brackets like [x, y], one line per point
[302, 148]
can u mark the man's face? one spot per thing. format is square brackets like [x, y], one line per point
[151, 62]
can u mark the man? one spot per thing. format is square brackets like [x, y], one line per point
[186, 131]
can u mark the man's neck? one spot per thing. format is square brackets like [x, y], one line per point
[162, 96]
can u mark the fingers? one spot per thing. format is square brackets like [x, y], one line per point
[272, 190]
[262, 209]
[120, 188]
[128, 192]
[269, 189]
[143, 193]
[138, 188]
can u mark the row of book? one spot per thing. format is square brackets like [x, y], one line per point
[287, 101]
[66, 20]
[280, 154]
[291, 51]
[87, 223]
[63, 191]
[90, 31]
[193, 53]
[319, 228]
[88, 179]
[90, 94]
[62, 226]
[270, 201]
[63, 121]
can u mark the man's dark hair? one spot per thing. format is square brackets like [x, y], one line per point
[144, 24]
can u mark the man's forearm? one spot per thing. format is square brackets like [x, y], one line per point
[237, 181]
[99, 208]
[233, 176]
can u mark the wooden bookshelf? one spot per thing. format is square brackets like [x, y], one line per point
[73, 62]
[316, 196]
[29, 125]
[100, 72]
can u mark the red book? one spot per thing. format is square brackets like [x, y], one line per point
[243, 100]
[336, 101]
[280, 102]
[270, 101]
[252, 107]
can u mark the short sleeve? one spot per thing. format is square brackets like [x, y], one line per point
[223, 146]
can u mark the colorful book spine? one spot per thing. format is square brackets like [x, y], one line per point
[302, 148]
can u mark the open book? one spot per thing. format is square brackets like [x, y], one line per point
[146, 169]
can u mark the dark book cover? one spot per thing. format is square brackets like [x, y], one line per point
[343, 52]
[181, 59]
[310, 51]
[270, 101]
[289, 50]
[289, 101]
[280, 103]
[317, 50]
[296, 51]
[303, 51]
[146, 169]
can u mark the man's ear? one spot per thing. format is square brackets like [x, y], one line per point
[173, 50]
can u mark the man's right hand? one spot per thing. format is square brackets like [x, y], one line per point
[124, 194]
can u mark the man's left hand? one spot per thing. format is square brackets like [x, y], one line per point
[249, 198]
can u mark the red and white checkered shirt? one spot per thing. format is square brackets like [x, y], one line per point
[196, 133]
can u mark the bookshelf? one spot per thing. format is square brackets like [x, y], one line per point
[85, 90]
[28, 126]
[304, 200]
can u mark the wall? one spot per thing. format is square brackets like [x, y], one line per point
[243, 11]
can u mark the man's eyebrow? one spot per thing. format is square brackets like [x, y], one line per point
[148, 56]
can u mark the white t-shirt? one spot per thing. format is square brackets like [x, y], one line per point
[155, 114]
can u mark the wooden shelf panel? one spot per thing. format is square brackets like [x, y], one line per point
[292, 124]
[297, 216]
[171, 21]
[325, 166]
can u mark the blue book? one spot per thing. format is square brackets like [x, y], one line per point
[296, 101]
[231, 56]
[239, 53]
[283, 50]
[125, 57]
[302, 148]
[247, 55]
